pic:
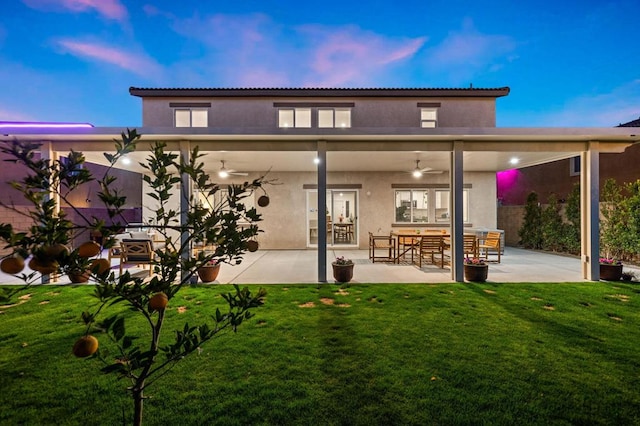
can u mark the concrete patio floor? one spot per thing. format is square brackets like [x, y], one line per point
[299, 266]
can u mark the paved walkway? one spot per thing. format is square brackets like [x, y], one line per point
[299, 266]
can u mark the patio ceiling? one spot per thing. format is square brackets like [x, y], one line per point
[257, 150]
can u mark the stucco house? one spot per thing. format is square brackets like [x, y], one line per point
[373, 159]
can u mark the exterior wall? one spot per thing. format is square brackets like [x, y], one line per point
[554, 178]
[285, 222]
[367, 112]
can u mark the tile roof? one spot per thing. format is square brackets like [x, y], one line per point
[632, 123]
[328, 92]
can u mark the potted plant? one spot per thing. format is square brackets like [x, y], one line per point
[209, 271]
[610, 269]
[475, 269]
[342, 269]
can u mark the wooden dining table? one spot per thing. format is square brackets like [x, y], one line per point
[414, 235]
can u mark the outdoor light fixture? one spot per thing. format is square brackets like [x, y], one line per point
[223, 173]
[316, 160]
[126, 161]
[417, 173]
[514, 161]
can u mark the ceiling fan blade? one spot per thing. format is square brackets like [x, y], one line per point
[239, 173]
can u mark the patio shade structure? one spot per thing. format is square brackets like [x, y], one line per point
[372, 149]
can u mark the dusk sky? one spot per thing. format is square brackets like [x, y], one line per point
[568, 62]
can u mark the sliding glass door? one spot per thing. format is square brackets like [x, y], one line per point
[342, 217]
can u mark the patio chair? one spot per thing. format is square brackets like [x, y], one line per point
[430, 246]
[470, 245]
[490, 242]
[385, 243]
[408, 243]
[136, 252]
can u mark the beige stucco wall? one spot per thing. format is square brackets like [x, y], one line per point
[245, 113]
[284, 220]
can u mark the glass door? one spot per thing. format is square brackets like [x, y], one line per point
[342, 218]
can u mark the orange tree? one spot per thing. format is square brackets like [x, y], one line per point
[141, 359]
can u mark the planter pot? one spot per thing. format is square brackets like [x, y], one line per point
[208, 274]
[342, 273]
[79, 277]
[610, 272]
[476, 273]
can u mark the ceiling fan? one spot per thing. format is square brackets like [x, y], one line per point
[225, 173]
[418, 171]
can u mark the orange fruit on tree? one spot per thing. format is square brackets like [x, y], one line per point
[89, 249]
[158, 301]
[43, 266]
[12, 265]
[54, 251]
[85, 346]
[100, 266]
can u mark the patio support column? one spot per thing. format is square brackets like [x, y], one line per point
[590, 208]
[322, 205]
[456, 178]
[47, 153]
[185, 196]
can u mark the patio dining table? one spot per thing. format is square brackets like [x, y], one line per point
[414, 235]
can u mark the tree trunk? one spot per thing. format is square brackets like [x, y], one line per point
[138, 401]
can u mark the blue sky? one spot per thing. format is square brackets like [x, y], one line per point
[568, 63]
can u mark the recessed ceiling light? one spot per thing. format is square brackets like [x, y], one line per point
[514, 161]
[316, 160]
[126, 161]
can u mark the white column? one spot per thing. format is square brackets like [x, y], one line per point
[322, 206]
[456, 178]
[185, 196]
[590, 211]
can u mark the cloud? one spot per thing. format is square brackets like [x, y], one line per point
[137, 63]
[110, 9]
[467, 52]
[253, 50]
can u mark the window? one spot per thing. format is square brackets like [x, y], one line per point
[442, 205]
[428, 118]
[412, 206]
[574, 166]
[191, 118]
[335, 117]
[294, 117]
[427, 206]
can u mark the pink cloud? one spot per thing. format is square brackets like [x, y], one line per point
[111, 9]
[130, 61]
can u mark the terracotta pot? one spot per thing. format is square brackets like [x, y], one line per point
[342, 273]
[208, 274]
[477, 273]
[79, 277]
[610, 272]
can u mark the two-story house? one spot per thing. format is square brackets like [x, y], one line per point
[353, 161]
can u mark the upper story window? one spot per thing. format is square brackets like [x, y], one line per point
[324, 115]
[428, 118]
[334, 117]
[574, 166]
[190, 114]
[294, 117]
[429, 114]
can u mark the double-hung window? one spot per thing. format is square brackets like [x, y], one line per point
[294, 117]
[429, 114]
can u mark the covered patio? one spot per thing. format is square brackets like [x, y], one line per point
[299, 267]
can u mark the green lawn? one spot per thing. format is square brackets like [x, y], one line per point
[382, 354]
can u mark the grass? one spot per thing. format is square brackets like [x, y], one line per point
[380, 354]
